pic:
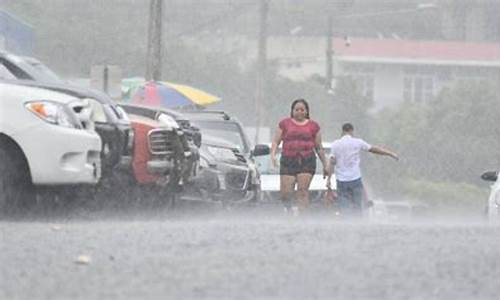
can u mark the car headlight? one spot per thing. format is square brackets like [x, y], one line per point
[168, 120]
[222, 153]
[54, 113]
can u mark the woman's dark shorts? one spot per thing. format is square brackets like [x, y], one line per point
[296, 165]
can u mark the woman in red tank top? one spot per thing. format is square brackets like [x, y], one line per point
[301, 139]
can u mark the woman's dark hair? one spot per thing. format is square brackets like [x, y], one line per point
[295, 102]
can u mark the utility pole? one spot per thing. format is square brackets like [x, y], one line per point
[154, 51]
[261, 79]
[329, 53]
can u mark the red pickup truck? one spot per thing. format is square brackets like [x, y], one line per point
[155, 174]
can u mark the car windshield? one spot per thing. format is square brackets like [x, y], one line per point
[5, 73]
[265, 167]
[45, 71]
[225, 130]
[25, 68]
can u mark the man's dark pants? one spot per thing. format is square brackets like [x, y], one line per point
[350, 197]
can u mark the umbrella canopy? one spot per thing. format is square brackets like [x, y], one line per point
[130, 86]
[167, 94]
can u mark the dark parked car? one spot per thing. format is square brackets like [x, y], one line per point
[209, 182]
[234, 177]
[111, 121]
[221, 125]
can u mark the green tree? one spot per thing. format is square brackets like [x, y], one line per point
[349, 105]
[451, 140]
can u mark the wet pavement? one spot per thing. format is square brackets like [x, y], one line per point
[246, 256]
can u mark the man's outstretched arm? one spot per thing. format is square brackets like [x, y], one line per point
[381, 151]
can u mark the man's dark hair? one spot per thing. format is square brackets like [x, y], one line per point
[295, 102]
[347, 127]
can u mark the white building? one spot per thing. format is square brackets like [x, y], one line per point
[388, 70]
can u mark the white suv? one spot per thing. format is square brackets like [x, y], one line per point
[493, 206]
[46, 139]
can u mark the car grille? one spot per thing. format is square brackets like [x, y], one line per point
[237, 179]
[161, 141]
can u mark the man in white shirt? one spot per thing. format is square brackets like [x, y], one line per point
[345, 159]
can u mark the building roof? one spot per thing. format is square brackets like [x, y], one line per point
[412, 51]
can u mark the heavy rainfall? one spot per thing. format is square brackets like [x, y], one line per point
[213, 149]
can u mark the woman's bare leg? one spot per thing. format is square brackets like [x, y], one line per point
[303, 182]
[287, 187]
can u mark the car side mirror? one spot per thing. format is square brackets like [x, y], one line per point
[260, 150]
[490, 176]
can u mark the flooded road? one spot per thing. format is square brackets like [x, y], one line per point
[232, 256]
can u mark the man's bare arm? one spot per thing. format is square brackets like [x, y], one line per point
[381, 151]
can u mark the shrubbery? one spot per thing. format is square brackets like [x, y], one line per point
[446, 196]
[444, 146]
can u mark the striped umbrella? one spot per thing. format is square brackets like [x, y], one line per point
[170, 95]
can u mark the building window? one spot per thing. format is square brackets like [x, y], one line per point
[418, 84]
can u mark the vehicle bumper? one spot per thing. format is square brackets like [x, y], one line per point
[207, 185]
[159, 167]
[59, 156]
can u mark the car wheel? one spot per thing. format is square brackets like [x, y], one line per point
[15, 184]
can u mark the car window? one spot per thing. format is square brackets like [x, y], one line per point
[5, 73]
[225, 130]
[25, 69]
[122, 114]
[14, 70]
[47, 73]
[117, 113]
